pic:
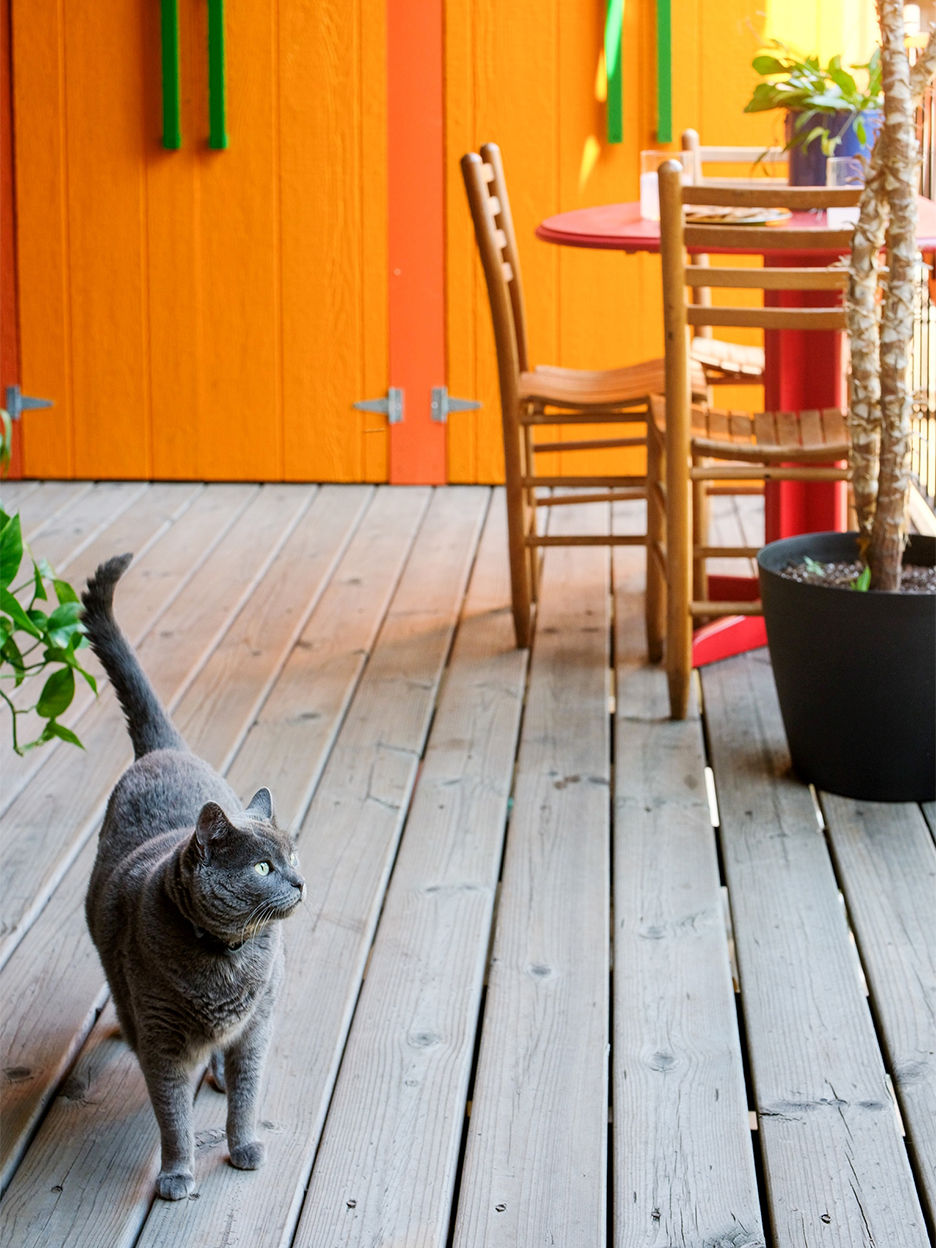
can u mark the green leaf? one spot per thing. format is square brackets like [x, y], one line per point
[16, 613]
[843, 79]
[769, 65]
[11, 652]
[860, 133]
[812, 567]
[6, 438]
[39, 618]
[38, 587]
[65, 734]
[862, 582]
[57, 693]
[11, 550]
[64, 622]
[64, 592]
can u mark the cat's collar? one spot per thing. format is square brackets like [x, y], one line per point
[215, 943]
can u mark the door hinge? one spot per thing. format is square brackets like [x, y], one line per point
[442, 404]
[17, 402]
[391, 406]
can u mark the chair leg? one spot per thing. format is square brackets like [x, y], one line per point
[701, 512]
[655, 601]
[678, 580]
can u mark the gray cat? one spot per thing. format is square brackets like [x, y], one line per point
[182, 905]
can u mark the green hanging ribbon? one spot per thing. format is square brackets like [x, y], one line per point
[217, 120]
[614, 25]
[664, 72]
[171, 102]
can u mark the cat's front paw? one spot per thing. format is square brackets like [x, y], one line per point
[175, 1185]
[248, 1156]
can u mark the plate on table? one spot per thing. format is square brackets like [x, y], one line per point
[703, 214]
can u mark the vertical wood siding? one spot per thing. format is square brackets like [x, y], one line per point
[202, 313]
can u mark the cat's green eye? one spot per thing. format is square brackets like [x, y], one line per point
[293, 859]
[262, 868]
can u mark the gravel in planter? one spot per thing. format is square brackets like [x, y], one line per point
[914, 579]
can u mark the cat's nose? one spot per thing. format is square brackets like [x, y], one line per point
[299, 882]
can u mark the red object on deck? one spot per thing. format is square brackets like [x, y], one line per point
[803, 370]
[416, 187]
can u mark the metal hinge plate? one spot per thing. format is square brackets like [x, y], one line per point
[442, 404]
[17, 402]
[391, 406]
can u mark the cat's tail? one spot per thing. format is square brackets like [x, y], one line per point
[148, 723]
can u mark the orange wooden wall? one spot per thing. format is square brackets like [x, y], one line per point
[215, 314]
[199, 313]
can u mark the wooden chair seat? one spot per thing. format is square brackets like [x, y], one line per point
[723, 361]
[611, 387]
[808, 437]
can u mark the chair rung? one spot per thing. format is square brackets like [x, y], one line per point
[658, 551]
[726, 552]
[765, 472]
[659, 488]
[734, 489]
[609, 539]
[596, 444]
[621, 415]
[567, 500]
[725, 608]
[529, 483]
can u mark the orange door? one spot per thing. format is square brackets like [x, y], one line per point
[200, 313]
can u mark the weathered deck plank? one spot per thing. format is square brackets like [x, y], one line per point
[886, 863]
[50, 821]
[347, 845]
[837, 1171]
[14, 494]
[536, 1160]
[387, 1161]
[290, 739]
[684, 1171]
[66, 534]
[149, 588]
[50, 500]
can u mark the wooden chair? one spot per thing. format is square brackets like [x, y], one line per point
[691, 444]
[729, 363]
[547, 395]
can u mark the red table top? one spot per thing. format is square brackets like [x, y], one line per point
[620, 227]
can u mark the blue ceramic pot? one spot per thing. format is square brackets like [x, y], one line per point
[808, 164]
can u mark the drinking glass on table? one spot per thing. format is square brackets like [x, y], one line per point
[844, 171]
[649, 181]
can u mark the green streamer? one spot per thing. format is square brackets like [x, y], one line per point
[172, 133]
[664, 72]
[217, 121]
[614, 25]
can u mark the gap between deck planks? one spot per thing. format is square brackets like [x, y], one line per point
[388, 1157]
[536, 1158]
[420, 625]
[886, 863]
[684, 1171]
[42, 1046]
[836, 1169]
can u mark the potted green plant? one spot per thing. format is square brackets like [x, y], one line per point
[827, 112]
[853, 661]
[33, 640]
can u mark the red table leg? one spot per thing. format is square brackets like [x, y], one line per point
[804, 369]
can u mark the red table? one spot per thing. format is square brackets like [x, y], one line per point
[802, 369]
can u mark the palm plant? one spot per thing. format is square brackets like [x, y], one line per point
[881, 331]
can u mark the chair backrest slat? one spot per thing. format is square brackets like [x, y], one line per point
[768, 318]
[491, 155]
[708, 155]
[711, 238]
[768, 279]
[802, 198]
[496, 269]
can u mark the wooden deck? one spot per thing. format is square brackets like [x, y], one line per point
[536, 998]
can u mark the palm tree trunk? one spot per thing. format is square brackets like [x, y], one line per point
[896, 331]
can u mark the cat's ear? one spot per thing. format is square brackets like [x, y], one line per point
[212, 826]
[261, 804]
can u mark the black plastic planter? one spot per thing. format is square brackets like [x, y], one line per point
[855, 674]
